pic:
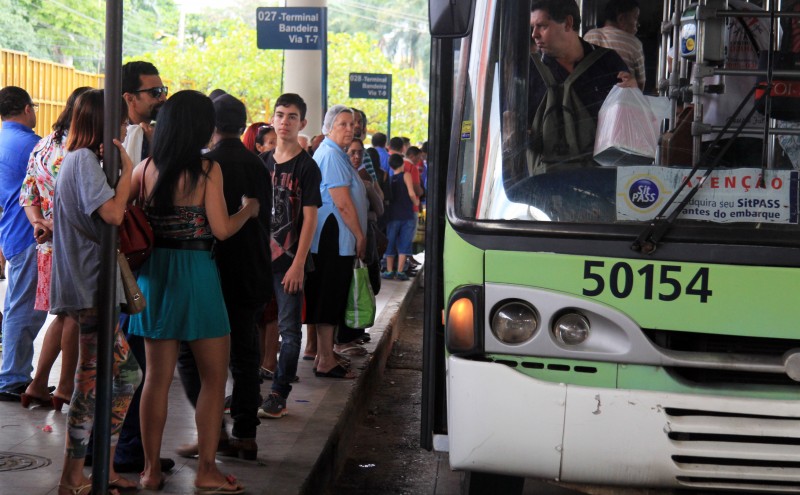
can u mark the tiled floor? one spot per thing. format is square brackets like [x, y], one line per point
[288, 448]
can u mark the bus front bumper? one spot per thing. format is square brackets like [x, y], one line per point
[503, 421]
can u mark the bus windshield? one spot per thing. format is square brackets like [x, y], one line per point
[508, 169]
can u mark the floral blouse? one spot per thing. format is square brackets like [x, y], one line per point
[40, 179]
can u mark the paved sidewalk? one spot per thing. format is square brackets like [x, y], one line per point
[297, 454]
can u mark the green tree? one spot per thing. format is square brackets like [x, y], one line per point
[16, 29]
[72, 32]
[356, 53]
[226, 59]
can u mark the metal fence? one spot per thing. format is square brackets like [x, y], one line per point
[48, 83]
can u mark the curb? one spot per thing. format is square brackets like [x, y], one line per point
[384, 333]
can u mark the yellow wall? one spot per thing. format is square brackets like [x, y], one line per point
[48, 83]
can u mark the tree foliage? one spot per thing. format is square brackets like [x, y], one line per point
[356, 53]
[72, 32]
[226, 59]
[219, 49]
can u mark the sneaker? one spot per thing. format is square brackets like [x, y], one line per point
[274, 407]
[227, 407]
[401, 276]
[389, 275]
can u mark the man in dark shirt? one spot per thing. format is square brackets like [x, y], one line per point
[554, 30]
[296, 198]
[245, 275]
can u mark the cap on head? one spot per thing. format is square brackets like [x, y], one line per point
[231, 114]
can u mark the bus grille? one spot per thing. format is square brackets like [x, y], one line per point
[705, 344]
[730, 451]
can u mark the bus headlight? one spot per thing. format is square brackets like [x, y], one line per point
[571, 329]
[514, 322]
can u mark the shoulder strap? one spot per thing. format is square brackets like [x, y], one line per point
[142, 189]
[749, 34]
[579, 129]
[585, 63]
[544, 71]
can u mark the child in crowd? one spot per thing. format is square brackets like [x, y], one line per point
[401, 220]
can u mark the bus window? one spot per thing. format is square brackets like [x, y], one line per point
[499, 176]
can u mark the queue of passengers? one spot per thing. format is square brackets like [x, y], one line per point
[285, 229]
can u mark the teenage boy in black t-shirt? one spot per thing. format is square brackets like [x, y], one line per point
[295, 200]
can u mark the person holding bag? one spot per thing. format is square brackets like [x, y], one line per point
[36, 197]
[83, 204]
[186, 207]
[339, 239]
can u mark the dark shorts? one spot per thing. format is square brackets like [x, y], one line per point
[327, 286]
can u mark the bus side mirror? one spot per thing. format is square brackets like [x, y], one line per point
[451, 18]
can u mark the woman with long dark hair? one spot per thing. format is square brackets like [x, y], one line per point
[185, 205]
[84, 203]
[37, 199]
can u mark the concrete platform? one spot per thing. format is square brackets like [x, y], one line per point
[298, 454]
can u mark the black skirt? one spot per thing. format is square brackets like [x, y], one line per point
[328, 285]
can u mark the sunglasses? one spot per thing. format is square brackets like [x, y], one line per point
[154, 92]
[355, 152]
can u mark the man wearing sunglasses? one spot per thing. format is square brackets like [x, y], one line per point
[144, 93]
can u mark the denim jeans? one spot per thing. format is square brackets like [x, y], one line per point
[21, 323]
[290, 307]
[244, 362]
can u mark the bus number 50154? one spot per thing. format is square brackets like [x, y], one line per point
[621, 280]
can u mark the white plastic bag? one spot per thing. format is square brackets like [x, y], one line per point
[627, 129]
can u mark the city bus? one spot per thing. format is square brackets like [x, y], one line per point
[623, 325]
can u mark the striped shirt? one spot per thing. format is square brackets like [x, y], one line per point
[625, 44]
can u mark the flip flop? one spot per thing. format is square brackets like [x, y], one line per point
[335, 372]
[156, 488]
[115, 483]
[351, 349]
[309, 357]
[230, 480]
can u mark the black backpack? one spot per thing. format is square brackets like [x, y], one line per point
[563, 130]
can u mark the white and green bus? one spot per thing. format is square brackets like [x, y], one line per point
[628, 325]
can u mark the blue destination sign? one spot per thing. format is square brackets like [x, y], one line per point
[290, 28]
[374, 86]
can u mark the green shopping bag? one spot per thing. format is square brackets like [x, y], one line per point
[360, 311]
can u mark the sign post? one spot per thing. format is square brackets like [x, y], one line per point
[295, 28]
[375, 87]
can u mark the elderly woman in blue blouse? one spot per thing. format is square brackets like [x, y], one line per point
[340, 238]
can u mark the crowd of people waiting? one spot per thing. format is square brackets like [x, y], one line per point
[257, 229]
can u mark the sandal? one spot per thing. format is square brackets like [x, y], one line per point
[351, 349]
[265, 374]
[155, 488]
[76, 490]
[28, 400]
[230, 480]
[335, 372]
[115, 483]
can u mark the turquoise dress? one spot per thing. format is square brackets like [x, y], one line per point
[181, 286]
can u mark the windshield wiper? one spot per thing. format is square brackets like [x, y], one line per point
[647, 241]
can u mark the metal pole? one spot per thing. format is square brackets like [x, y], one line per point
[389, 114]
[107, 280]
[324, 60]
